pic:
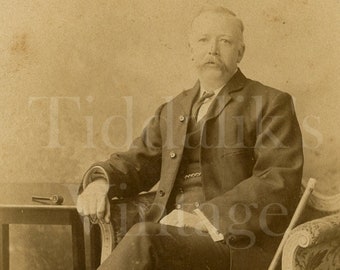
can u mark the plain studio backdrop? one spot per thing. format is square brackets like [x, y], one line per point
[79, 79]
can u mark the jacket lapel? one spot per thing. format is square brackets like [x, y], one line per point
[188, 99]
[223, 98]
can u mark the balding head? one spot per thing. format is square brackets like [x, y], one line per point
[220, 11]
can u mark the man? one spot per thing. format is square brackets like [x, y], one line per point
[230, 147]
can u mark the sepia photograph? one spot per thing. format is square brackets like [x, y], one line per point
[169, 135]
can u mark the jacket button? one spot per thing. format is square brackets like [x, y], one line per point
[181, 190]
[161, 193]
[172, 154]
[178, 206]
[181, 118]
[196, 204]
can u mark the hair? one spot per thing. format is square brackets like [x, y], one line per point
[219, 10]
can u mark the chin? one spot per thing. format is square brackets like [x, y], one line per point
[213, 74]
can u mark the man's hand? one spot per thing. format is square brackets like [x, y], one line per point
[93, 201]
[180, 218]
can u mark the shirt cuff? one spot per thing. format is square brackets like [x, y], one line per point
[93, 174]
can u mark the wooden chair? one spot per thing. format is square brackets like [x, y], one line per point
[315, 244]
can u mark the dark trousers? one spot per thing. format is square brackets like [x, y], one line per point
[152, 246]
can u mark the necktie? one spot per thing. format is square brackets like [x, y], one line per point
[200, 101]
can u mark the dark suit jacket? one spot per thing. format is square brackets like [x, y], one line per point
[251, 160]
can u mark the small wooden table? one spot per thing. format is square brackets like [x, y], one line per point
[42, 214]
[24, 211]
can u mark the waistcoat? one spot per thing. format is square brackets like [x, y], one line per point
[188, 192]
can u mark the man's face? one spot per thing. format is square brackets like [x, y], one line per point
[216, 45]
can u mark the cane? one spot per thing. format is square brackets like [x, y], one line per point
[295, 218]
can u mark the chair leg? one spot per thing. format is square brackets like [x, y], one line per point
[92, 244]
[78, 247]
[95, 245]
[4, 248]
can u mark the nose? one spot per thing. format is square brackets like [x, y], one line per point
[213, 48]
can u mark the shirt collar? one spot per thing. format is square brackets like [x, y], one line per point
[216, 91]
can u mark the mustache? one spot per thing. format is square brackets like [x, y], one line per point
[212, 59]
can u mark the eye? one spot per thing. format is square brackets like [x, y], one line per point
[225, 41]
[203, 39]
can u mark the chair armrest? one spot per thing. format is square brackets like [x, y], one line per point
[108, 241]
[310, 234]
[111, 233]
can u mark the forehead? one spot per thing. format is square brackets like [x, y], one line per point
[215, 23]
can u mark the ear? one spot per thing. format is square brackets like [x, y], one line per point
[241, 51]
